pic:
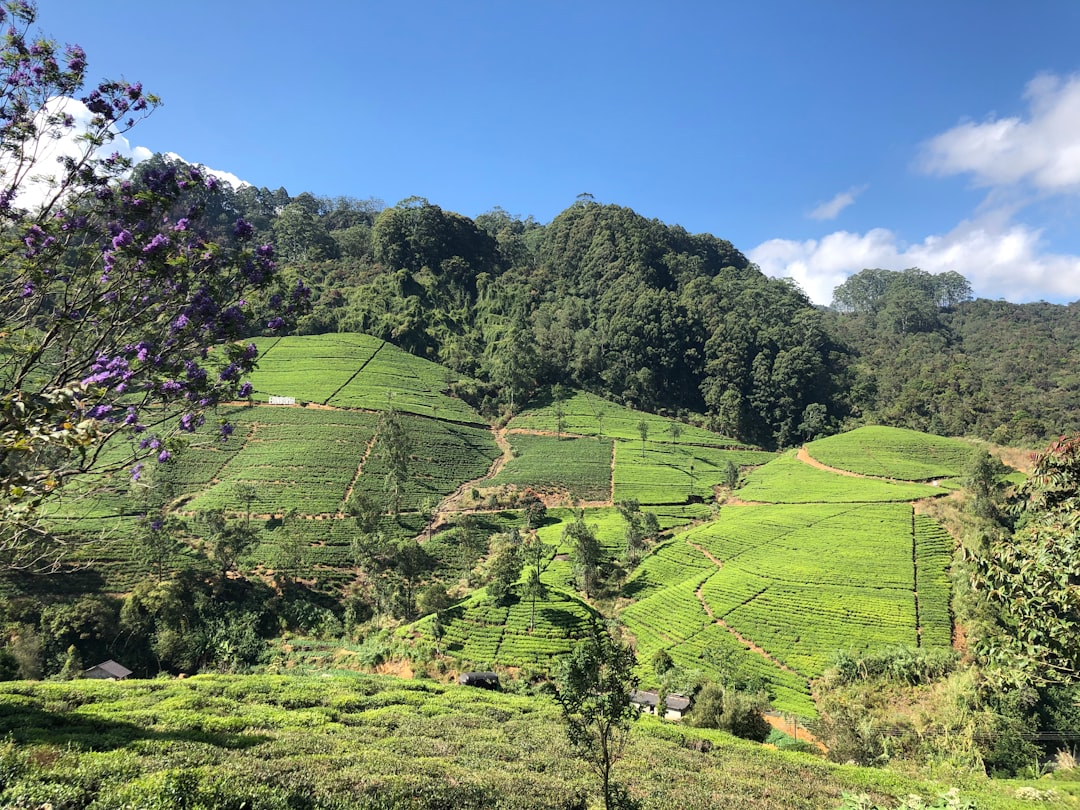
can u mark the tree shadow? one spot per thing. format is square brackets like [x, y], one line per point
[26, 724]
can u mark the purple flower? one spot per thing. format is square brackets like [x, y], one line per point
[164, 456]
[122, 239]
[180, 323]
[136, 472]
[226, 431]
[243, 229]
[27, 290]
[275, 323]
[159, 242]
[181, 224]
[245, 391]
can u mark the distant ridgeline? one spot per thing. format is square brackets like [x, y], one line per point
[648, 315]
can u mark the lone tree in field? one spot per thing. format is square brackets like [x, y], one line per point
[535, 553]
[393, 448]
[643, 431]
[585, 553]
[593, 689]
[120, 312]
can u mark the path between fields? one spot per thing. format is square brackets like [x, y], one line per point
[754, 648]
[452, 502]
[804, 456]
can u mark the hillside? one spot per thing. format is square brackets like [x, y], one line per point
[778, 579]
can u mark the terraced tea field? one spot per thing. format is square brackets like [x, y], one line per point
[788, 480]
[771, 590]
[356, 371]
[813, 553]
[896, 453]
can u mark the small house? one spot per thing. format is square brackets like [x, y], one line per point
[675, 706]
[107, 671]
[482, 680]
[647, 702]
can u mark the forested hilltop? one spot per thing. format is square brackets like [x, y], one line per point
[654, 317]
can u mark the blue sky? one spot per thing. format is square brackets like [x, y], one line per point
[819, 137]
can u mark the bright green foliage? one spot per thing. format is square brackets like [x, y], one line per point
[670, 473]
[933, 556]
[586, 414]
[889, 452]
[800, 582]
[578, 467]
[480, 634]
[1033, 577]
[369, 743]
[351, 370]
[788, 480]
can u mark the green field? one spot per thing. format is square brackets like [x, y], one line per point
[665, 473]
[578, 468]
[788, 480]
[897, 453]
[800, 582]
[356, 371]
[586, 414]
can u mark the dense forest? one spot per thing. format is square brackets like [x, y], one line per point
[652, 316]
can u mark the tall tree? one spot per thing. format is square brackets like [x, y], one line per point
[535, 553]
[585, 552]
[393, 448]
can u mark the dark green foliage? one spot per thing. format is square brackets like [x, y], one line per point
[505, 567]
[585, 552]
[731, 710]
[1032, 576]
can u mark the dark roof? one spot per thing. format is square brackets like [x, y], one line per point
[678, 703]
[641, 698]
[652, 699]
[108, 669]
[479, 678]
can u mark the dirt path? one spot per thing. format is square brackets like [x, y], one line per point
[452, 502]
[793, 728]
[804, 456]
[750, 645]
[359, 469]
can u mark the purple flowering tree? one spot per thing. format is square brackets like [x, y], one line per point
[122, 323]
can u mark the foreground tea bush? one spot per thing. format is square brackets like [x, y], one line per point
[269, 742]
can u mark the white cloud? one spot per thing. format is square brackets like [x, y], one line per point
[999, 258]
[42, 179]
[225, 177]
[1043, 150]
[832, 208]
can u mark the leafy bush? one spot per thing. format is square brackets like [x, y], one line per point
[731, 710]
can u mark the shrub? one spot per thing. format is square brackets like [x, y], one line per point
[730, 710]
